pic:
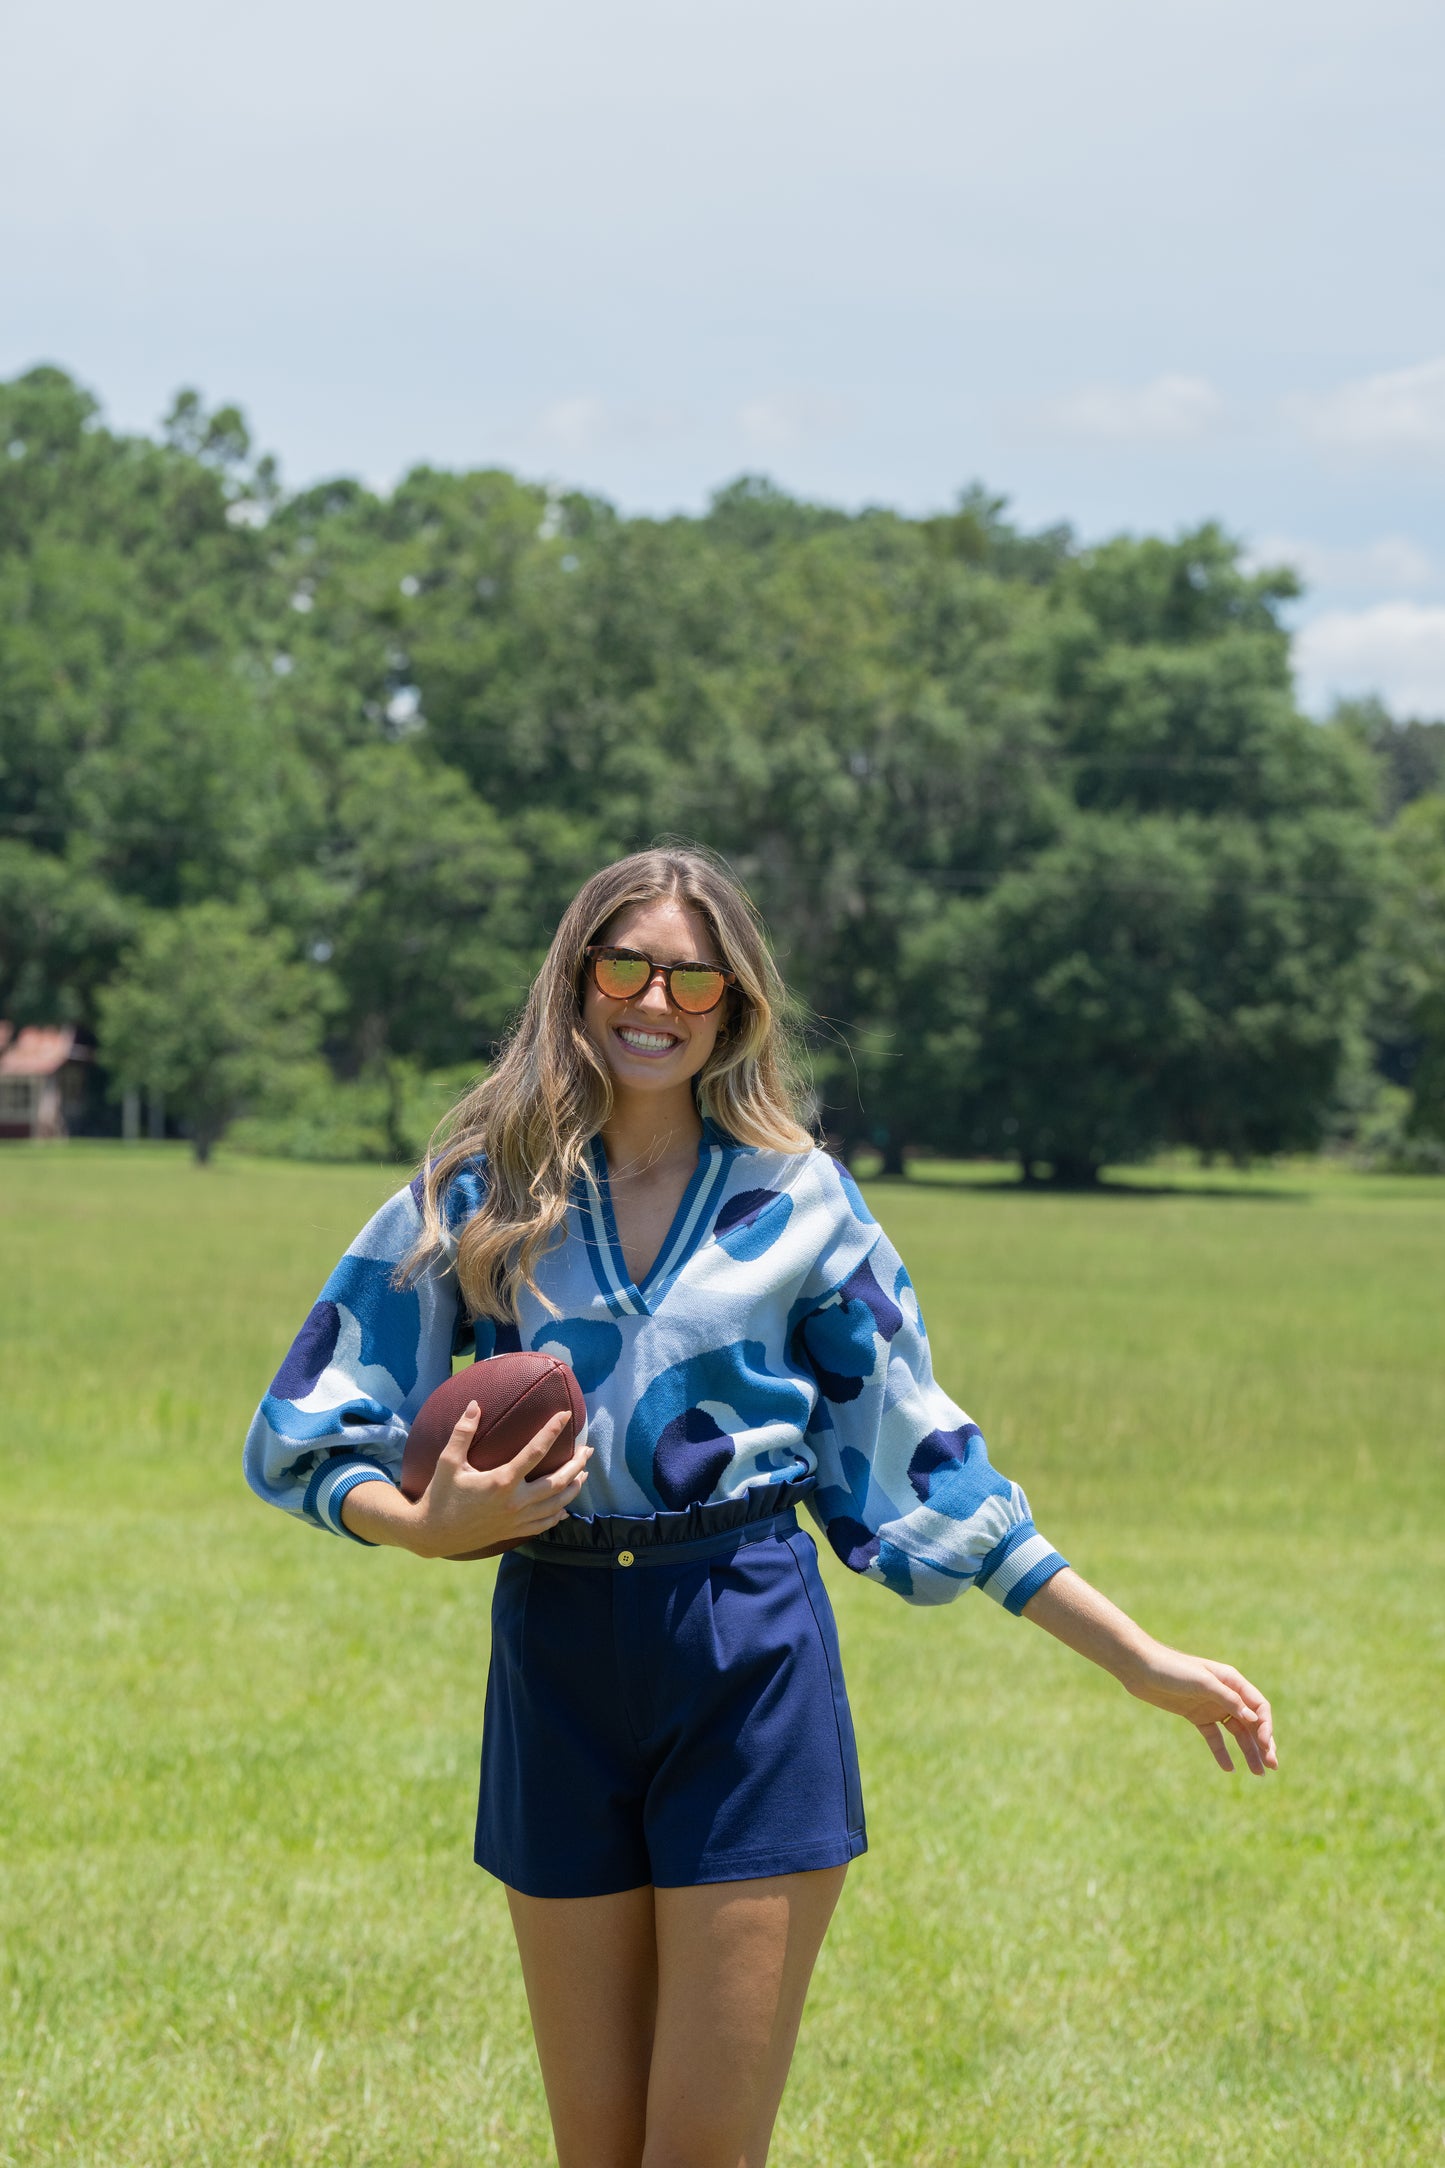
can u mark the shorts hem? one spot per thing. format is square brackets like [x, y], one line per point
[749, 1866]
[719, 1867]
[600, 1886]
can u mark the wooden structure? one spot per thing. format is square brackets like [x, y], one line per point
[42, 1079]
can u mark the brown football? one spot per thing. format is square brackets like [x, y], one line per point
[516, 1394]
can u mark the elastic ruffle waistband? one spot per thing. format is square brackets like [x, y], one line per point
[601, 1537]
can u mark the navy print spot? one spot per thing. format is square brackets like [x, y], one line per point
[689, 1458]
[310, 1353]
[856, 1545]
[864, 1288]
[495, 1336]
[939, 1454]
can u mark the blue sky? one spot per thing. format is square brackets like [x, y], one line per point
[1134, 264]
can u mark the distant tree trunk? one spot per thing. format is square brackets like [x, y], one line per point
[892, 1149]
[1071, 1173]
[397, 1143]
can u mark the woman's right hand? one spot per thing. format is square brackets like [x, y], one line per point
[469, 1509]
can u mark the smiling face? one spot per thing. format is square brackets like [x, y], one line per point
[647, 1044]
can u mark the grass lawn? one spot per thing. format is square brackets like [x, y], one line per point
[238, 1917]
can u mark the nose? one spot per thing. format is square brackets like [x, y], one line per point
[657, 984]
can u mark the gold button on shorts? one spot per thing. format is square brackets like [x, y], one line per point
[626, 1558]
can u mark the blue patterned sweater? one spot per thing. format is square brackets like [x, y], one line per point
[776, 1339]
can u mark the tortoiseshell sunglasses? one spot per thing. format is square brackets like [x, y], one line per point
[623, 973]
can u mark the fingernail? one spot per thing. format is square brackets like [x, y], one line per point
[471, 1408]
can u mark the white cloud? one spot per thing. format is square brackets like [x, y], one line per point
[1167, 410]
[1402, 410]
[776, 421]
[583, 422]
[1395, 649]
[1383, 566]
[574, 425]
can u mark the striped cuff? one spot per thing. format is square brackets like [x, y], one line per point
[332, 1480]
[1018, 1567]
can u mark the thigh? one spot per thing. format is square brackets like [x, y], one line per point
[590, 1968]
[733, 1964]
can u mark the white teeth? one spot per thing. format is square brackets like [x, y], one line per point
[651, 1042]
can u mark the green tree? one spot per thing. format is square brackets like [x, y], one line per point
[410, 724]
[213, 1011]
[1141, 982]
[1410, 983]
[1409, 755]
[61, 934]
[423, 922]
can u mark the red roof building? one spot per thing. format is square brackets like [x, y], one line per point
[42, 1078]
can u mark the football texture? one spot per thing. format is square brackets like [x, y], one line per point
[516, 1394]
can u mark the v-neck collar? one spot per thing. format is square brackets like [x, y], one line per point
[624, 1296]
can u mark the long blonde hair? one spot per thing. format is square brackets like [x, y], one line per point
[550, 1092]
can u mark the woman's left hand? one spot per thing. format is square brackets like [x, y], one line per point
[1215, 1699]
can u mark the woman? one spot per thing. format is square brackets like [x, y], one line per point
[669, 1789]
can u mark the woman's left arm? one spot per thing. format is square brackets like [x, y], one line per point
[1215, 1698]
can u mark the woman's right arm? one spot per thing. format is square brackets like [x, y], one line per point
[468, 1509]
[338, 1411]
[326, 1443]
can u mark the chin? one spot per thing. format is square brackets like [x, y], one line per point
[643, 1076]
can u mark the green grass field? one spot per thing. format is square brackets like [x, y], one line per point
[238, 1918]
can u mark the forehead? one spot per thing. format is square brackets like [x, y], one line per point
[668, 931]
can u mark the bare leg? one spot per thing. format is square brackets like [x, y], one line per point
[734, 1960]
[590, 1968]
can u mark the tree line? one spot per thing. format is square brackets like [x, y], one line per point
[294, 785]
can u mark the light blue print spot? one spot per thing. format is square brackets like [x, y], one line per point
[293, 1423]
[896, 1568]
[907, 1301]
[389, 1317]
[842, 1348]
[853, 1194]
[950, 1472]
[591, 1347]
[750, 1223]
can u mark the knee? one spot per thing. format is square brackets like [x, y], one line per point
[698, 2149]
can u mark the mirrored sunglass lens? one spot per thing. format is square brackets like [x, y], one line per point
[697, 990]
[620, 975]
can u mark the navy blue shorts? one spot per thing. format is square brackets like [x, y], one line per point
[670, 1715]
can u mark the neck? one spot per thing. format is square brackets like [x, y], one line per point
[644, 1130]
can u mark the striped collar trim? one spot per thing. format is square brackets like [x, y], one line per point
[691, 1221]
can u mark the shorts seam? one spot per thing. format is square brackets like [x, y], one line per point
[524, 1598]
[832, 1693]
